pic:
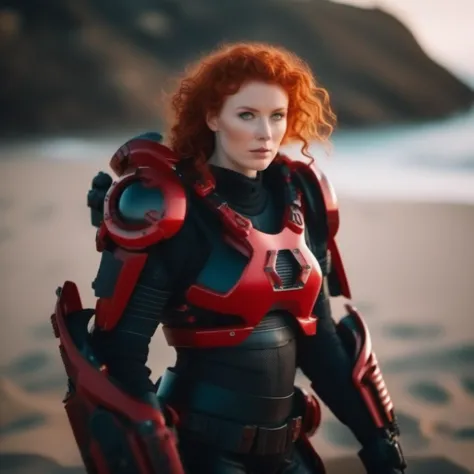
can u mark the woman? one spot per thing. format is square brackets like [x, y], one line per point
[230, 246]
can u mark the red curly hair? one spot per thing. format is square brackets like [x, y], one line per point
[221, 73]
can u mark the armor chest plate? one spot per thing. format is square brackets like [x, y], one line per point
[279, 273]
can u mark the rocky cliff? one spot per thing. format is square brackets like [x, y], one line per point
[72, 65]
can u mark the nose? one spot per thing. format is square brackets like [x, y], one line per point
[264, 132]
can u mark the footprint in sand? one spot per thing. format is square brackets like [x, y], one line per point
[413, 436]
[42, 213]
[338, 435]
[429, 392]
[22, 424]
[456, 359]
[29, 363]
[412, 331]
[467, 383]
[433, 465]
[34, 464]
[43, 331]
[426, 465]
[55, 381]
[464, 434]
[36, 372]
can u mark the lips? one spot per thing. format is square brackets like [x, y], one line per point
[260, 150]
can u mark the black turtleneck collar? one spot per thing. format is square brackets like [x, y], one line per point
[245, 195]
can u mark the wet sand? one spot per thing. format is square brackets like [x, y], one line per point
[411, 268]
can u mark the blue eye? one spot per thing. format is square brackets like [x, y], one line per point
[278, 116]
[246, 115]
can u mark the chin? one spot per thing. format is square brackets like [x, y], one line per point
[260, 165]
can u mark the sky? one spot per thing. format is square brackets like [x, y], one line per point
[442, 27]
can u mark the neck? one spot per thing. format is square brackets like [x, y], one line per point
[222, 161]
[242, 193]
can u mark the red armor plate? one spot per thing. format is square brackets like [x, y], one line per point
[153, 165]
[366, 375]
[259, 289]
[109, 310]
[319, 179]
[147, 445]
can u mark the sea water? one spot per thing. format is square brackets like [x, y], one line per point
[431, 161]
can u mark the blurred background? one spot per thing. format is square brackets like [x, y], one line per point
[79, 77]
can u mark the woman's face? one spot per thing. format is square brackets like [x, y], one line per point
[250, 127]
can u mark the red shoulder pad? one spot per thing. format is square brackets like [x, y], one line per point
[317, 178]
[339, 284]
[152, 165]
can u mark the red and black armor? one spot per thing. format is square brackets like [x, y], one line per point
[257, 292]
[261, 286]
[115, 433]
[138, 161]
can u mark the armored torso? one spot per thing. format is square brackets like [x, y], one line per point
[236, 329]
[259, 263]
[226, 271]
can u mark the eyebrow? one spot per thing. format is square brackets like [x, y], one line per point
[251, 109]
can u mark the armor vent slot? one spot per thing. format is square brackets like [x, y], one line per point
[287, 268]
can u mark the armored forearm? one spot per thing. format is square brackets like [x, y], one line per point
[366, 374]
[114, 431]
[383, 454]
[324, 359]
[344, 373]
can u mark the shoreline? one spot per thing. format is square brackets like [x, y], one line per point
[363, 181]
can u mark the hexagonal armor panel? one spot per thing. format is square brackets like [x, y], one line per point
[287, 268]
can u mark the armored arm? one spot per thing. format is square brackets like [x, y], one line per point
[124, 326]
[383, 453]
[339, 360]
[118, 424]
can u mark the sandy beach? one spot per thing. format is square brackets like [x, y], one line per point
[410, 265]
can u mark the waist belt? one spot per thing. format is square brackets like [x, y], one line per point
[238, 438]
[190, 396]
